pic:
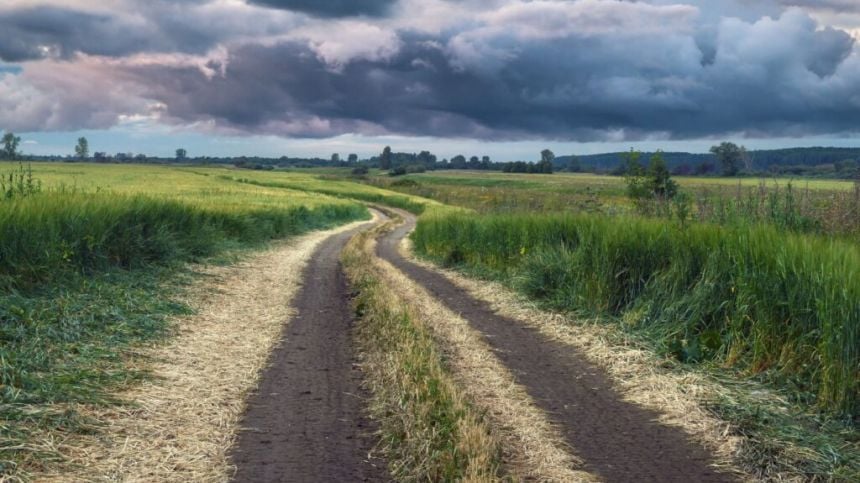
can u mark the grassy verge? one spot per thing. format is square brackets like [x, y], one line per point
[429, 432]
[750, 302]
[84, 279]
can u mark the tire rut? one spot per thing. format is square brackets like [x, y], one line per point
[617, 440]
[307, 422]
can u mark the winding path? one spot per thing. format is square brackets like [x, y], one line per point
[619, 441]
[306, 421]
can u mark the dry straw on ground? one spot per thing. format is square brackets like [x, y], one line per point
[533, 449]
[179, 425]
[414, 397]
[636, 373]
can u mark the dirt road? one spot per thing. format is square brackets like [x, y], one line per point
[306, 421]
[618, 441]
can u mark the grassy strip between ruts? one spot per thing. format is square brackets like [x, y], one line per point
[429, 431]
[88, 277]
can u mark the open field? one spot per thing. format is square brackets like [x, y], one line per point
[759, 311]
[811, 206]
[90, 267]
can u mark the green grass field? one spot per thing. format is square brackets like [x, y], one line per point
[581, 181]
[758, 281]
[91, 264]
[760, 284]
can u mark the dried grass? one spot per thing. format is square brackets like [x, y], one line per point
[635, 372]
[429, 431]
[179, 425]
[533, 450]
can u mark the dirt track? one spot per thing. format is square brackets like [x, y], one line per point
[306, 421]
[617, 440]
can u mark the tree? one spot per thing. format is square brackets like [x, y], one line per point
[731, 157]
[574, 166]
[646, 184]
[10, 145]
[486, 163]
[458, 162]
[634, 175]
[846, 166]
[545, 164]
[660, 182]
[547, 156]
[82, 149]
[352, 158]
[181, 154]
[385, 159]
[335, 158]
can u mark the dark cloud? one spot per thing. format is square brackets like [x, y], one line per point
[559, 70]
[332, 8]
[571, 88]
[39, 32]
[156, 26]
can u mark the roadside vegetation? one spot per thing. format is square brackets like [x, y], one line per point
[784, 306]
[429, 431]
[88, 274]
[753, 282]
[757, 291]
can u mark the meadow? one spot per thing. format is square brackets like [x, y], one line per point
[754, 299]
[754, 280]
[830, 207]
[92, 258]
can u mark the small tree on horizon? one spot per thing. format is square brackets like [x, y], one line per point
[546, 162]
[385, 159]
[10, 145]
[731, 157]
[82, 149]
[660, 181]
[653, 181]
[181, 154]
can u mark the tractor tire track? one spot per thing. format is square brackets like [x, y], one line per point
[307, 422]
[617, 440]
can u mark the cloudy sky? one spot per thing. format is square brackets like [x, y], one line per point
[498, 77]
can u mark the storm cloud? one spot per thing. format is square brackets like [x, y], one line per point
[505, 69]
[332, 8]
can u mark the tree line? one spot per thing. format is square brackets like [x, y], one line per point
[726, 159]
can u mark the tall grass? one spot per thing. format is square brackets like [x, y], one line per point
[84, 277]
[755, 298]
[429, 431]
[45, 236]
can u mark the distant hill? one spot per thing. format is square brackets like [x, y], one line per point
[760, 160]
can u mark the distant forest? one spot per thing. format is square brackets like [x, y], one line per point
[815, 161]
[796, 161]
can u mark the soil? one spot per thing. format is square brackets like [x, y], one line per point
[617, 440]
[307, 421]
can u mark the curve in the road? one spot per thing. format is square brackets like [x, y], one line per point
[307, 421]
[618, 441]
